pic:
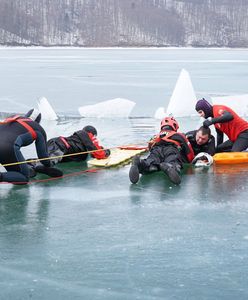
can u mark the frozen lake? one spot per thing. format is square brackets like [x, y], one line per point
[70, 78]
[95, 236]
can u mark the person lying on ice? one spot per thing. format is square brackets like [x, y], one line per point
[17, 132]
[225, 121]
[80, 141]
[168, 150]
[201, 140]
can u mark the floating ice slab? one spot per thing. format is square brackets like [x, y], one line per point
[159, 113]
[46, 110]
[239, 103]
[117, 107]
[183, 99]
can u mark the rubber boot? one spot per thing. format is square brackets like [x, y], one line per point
[172, 171]
[134, 170]
[49, 171]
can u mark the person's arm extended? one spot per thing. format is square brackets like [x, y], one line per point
[225, 117]
[91, 143]
[220, 137]
[185, 144]
[41, 148]
[211, 146]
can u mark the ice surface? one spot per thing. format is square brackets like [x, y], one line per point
[94, 236]
[117, 107]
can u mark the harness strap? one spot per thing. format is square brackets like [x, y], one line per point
[65, 142]
[23, 121]
[191, 154]
[28, 127]
[10, 119]
[167, 138]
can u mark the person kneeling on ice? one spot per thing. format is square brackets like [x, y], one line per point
[168, 150]
[201, 140]
[17, 132]
[225, 121]
[80, 141]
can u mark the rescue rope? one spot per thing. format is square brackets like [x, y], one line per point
[52, 178]
[67, 155]
[52, 157]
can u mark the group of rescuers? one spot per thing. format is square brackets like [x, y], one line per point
[168, 150]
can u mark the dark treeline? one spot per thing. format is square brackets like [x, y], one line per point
[98, 23]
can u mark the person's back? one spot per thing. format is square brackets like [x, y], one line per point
[168, 150]
[68, 145]
[77, 146]
[17, 132]
[231, 128]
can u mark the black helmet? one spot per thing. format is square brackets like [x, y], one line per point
[90, 129]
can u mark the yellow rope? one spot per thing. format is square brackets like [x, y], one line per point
[53, 157]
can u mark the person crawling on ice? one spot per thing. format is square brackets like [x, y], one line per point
[80, 141]
[201, 140]
[226, 121]
[168, 150]
[17, 132]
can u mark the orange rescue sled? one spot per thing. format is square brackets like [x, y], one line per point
[231, 158]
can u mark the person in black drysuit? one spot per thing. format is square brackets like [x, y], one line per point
[17, 132]
[201, 140]
[168, 151]
[65, 149]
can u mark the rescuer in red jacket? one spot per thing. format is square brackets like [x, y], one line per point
[226, 121]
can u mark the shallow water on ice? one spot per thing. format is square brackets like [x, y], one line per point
[96, 236]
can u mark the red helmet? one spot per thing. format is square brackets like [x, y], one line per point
[169, 121]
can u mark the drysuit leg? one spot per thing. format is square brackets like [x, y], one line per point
[241, 143]
[142, 166]
[152, 162]
[18, 173]
[171, 164]
[224, 147]
[55, 152]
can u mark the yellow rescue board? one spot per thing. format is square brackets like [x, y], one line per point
[231, 158]
[117, 156]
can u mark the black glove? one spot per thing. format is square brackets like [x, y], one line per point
[207, 123]
[107, 152]
[49, 171]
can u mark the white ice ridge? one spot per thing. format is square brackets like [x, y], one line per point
[117, 107]
[239, 103]
[183, 99]
[46, 110]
